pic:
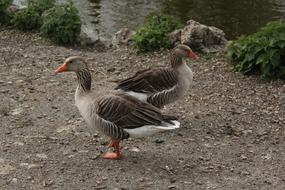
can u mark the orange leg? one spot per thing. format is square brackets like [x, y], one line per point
[116, 154]
[111, 144]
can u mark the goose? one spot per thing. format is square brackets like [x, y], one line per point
[162, 85]
[115, 114]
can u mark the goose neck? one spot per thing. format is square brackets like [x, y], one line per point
[84, 80]
[175, 60]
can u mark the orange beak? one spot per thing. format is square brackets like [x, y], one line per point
[192, 55]
[62, 68]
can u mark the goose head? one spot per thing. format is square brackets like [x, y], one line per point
[72, 64]
[78, 65]
[184, 51]
[178, 53]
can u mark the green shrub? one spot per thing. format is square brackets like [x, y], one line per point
[262, 52]
[30, 18]
[4, 15]
[41, 5]
[27, 19]
[61, 24]
[154, 34]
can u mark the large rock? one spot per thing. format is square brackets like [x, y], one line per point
[123, 37]
[207, 39]
[88, 38]
[175, 37]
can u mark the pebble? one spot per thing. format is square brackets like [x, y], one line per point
[29, 166]
[14, 180]
[19, 81]
[142, 179]
[159, 141]
[42, 156]
[134, 149]
[17, 111]
[29, 177]
[66, 129]
[18, 143]
[111, 69]
[243, 157]
[4, 91]
[172, 187]
[172, 180]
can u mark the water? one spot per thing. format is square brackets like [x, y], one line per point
[104, 17]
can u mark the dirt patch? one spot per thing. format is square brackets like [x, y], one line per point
[232, 134]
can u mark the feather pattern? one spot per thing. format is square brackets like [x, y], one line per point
[160, 85]
[118, 112]
[150, 80]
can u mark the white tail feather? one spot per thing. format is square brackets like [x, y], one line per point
[148, 130]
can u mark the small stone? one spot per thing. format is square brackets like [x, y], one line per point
[134, 149]
[199, 183]
[66, 129]
[32, 166]
[113, 69]
[17, 111]
[19, 81]
[83, 151]
[42, 156]
[142, 179]
[243, 157]
[101, 187]
[14, 180]
[4, 91]
[159, 141]
[18, 143]
[268, 182]
[54, 107]
[197, 117]
[29, 166]
[29, 177]
[172, 187]
[172, 180]
[149, 184]
[245, 173]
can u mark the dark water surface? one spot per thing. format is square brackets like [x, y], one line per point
[104, 17]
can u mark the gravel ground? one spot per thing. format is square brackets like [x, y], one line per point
[231, 137]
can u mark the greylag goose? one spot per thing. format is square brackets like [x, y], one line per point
[117, 115]
[162, 85]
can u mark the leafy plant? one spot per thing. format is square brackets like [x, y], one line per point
[262, 52]
[41, 5]
[61, 24]
[27, 19]
[4, 15]
[154, 34]
[31, 17]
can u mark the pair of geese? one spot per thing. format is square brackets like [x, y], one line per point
[132, 109]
